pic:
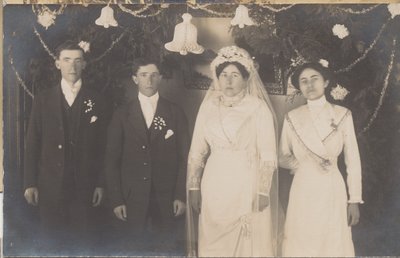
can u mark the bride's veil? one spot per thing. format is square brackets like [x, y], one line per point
[255, 88]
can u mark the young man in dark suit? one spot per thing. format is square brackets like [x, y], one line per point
[64, 152]
[146, 156]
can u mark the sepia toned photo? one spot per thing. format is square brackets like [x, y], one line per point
[201, 129]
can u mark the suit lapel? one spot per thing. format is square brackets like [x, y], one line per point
[162, 112]
[54, 104]
[136, 119]
[82, 119]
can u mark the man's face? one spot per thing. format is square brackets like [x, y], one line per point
[148, 79]
[71, 65]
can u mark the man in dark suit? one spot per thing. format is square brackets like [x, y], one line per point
[64, 152]
[146, 156]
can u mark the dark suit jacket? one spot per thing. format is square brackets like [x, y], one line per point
[44, 152]
[134, 161]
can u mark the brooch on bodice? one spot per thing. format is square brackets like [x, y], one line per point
[333, 125]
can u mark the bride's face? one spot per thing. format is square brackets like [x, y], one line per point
[231, 81]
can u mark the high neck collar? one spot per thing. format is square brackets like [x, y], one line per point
[234, 100]
[317, 102]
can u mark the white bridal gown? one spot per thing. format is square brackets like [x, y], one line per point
[236, 146]
[312, 138]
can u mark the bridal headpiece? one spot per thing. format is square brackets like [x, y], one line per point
[233, 54]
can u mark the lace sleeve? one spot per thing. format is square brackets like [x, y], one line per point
[266, 173]
[199, 152]
[266, 147]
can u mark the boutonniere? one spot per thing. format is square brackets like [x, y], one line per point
[169, 134]
[93, 119]
[89, 105]
[159, 123]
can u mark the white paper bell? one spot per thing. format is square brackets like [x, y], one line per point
[242, 17]
[185, 38]
[106, 18]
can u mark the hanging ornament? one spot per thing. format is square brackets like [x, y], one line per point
[339, 92]
[106, 18]
[242, 17]
[185, 38]
[46, 19]
[45, 16]
[340, 31]
[394, 9]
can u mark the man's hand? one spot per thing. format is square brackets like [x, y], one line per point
[353, 214]
[179, 208]
[32, 196]
[263, 202]
[195, 200]
[120, 212]
[98, 195]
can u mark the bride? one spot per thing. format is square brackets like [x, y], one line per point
[232, 184]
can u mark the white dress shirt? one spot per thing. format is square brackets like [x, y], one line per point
[149, 106]
[70, 91]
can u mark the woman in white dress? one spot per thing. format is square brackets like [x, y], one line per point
[320, 215]
[232, 162]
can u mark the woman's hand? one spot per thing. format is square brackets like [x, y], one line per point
[353, 214]
[195, 200]
[263, 202]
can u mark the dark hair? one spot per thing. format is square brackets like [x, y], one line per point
[141, 61]
[68, 45]
[325, 72]
[245, 74]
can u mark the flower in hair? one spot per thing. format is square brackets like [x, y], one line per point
[339, 92]
[324, 63]
[85, 46]
[340, 31]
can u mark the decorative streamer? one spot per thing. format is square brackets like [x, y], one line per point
[137, 13]
[207, 10]
[44, 44]
[364, 55]
[58, 12]
[363, 11]
[383, 92]
[21, 82]
[116, 41]
[276, 10]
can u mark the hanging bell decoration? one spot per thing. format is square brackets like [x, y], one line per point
[106, 18]
[185, 38]
[242, 17]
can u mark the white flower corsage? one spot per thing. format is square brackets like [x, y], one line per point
[169, 134]
[85, 46]
[93, 119]
[89, 105]
[159, 123]
[340, 31]
[339, 92]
